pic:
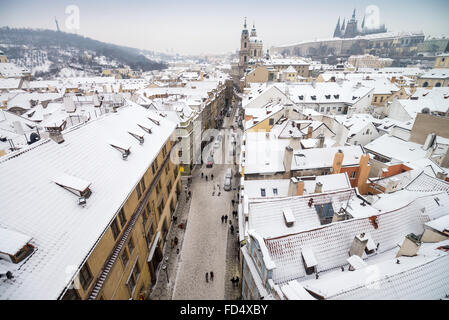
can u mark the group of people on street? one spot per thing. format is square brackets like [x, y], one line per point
[207, 177]
[235, 281]
[211, 276]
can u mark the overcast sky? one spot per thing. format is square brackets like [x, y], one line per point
[207, 26]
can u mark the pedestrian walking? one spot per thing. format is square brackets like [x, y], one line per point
[233, 281]
[232, 229]
[237, 281]
[206, 177]
[212, 177]
[212, 276]
[190, 193]
[230, 222]
[233, 203]
[177, 250]
[222, 219]
[176, 241]
[226, 218]
[202, 175]
[207, 276]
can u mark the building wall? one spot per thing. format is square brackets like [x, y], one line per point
[425, 124]
[114, 286]
[432, 82]
[258, 75]
[442, 62]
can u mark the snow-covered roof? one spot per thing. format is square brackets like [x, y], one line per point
[324, 157]
[266, 217]
[419, 277]
[440, 73]
[64, 232]
[331, 243]
[395, 148]
[441, 224]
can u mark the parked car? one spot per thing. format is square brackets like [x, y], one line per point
[210, 162]
[227, 180]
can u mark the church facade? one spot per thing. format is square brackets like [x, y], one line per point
[251, 52]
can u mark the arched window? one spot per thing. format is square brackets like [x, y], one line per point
[425, 84]
[245, 45]
[255, 52]
[244, 58]
[438, 84]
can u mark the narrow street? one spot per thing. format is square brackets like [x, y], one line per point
[206, 240]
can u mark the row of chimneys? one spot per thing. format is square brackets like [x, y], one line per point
[296, 187]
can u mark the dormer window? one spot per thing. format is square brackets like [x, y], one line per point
[73, 184]
[138, 135]
[14, 246]
[313, 97]
[328, 96]
[154, 121]
[145, 127]
[262, 192]
[124, 148]
[336, 96]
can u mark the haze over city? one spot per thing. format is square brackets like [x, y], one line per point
[211, 27]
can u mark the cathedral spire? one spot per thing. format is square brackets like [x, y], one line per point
[244, 25]
[343, 25]
[363, 23]
[337, 29]
[353, 14]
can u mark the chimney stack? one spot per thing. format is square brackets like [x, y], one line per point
[321, 141]
[288, 157]
[56, 132]
[442, 175]
[338, 161]
[300, 189]
[358, 245]
[364, 169]
[318, 187]
[309, 132]
[292, 187]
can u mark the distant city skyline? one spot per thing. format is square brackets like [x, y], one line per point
[208, 27]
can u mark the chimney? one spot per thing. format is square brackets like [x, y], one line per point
[364, 169]
[338, 160]
[442, 175]
[300, 188]
[292, 187]
[318, 187]
[56, 132]
[358, 245]
[309, 132]
[321, 141]
[410, 246]
[288, 157]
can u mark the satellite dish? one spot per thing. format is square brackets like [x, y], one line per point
[425, 110]
[34, 137]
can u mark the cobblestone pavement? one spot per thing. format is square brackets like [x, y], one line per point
[205, 242]
[206, 245]
[163, 289]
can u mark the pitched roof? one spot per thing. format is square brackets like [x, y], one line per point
[64, 232]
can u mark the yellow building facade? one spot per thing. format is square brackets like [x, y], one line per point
[123, 263]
